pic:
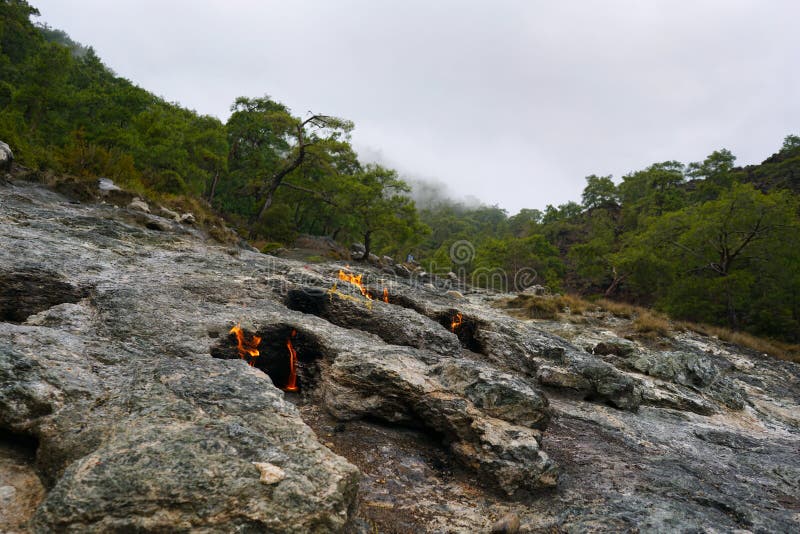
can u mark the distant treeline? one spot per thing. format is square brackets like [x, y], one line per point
[707, 241]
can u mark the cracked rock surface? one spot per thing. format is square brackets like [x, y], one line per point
[117, 369]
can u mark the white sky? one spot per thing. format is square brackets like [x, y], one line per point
[511, 102]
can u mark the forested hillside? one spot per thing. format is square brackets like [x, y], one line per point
[705, 241]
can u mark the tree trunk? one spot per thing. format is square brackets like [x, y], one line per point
[733, 321]
[614, 283]
[213, 187]
[269, 195]
[367, 243]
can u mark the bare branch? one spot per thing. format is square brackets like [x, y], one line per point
[317, 194]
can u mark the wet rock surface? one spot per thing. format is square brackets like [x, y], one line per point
[427, 413]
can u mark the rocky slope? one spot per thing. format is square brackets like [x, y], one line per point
[429, 412]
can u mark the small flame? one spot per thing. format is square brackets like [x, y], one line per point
[385, 295]
[291, 383]
[356, 281]
[246, 348]
[457, 321]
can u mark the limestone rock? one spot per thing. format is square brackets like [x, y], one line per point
[117, 366]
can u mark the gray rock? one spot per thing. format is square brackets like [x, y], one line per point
[688, 369]
[186, 218]
[400, 387]
[536, 290]
[345, 306]
[6, 157]
[402, 271]
[605, 348]
[139, 205]
[358, 251]
[169, 214]
[106, 346]
[106, 185]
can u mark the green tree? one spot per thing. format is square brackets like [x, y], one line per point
[600, 192]
[715, 172]
[656, 190]
[790, 142]
[269, 143]
[378, 205]
[723, 252]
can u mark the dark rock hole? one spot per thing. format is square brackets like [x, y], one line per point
[462, 326]
[23, 445]
[307, 300]
[27, 292]
[275, 355]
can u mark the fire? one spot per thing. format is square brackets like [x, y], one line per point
[458, 319]
[246, 348]
[385, 295]
[356, 281]
[291, 383]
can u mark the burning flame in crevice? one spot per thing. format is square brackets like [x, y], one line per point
[457, 321]
[246, 348]
[291, 383]
[356, 281]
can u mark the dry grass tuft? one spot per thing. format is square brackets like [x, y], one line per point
[650, 323]
[620, 309]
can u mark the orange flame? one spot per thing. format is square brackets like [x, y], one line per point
[385, 295]
[457, 321]
[291, 383]
[356, 281]
[246, 348]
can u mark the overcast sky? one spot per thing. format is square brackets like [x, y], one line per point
[510, 102]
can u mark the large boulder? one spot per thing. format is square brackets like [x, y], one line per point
[490, 420]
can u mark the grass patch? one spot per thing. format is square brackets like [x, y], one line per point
[650, 323]
[547, 306]
[620, 309]
[645, 322]
[777, 349]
